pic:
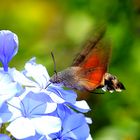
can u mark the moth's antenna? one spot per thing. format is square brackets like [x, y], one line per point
[54, 68]
[54, 63]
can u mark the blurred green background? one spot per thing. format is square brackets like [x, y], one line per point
[61, 26]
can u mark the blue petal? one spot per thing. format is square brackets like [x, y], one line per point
[75, 127]
[80, 106]
[4, 137]
[9, 88]
[36, 137]
[64, 111]
[5, 114]
[21, 128]
[34, 104]
[38, 72]
[68, 95]
[8, 47]
[54, 136]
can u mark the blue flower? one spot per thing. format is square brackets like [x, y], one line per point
[8, 47]
[4, 137]
[31, 110]
[43, 111]
[74, 127]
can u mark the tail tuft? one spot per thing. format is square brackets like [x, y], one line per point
[111, 83]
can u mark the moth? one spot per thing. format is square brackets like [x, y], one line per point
[88, 71]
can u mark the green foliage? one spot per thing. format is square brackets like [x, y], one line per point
[61, 26]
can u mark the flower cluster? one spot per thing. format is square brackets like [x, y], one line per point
[31, 109]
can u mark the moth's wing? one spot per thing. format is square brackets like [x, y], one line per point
[92, 80]
[94, 65]
[88, 47]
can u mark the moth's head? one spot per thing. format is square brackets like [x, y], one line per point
[56, 78]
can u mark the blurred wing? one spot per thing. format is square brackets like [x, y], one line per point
[91, 80]
[93, 62]
[88, 47]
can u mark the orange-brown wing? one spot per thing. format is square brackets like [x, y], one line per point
[88, 47]
[94, 65]
[92, 80]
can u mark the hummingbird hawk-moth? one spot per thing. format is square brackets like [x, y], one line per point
[89, 69]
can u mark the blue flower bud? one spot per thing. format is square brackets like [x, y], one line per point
[8, 47]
